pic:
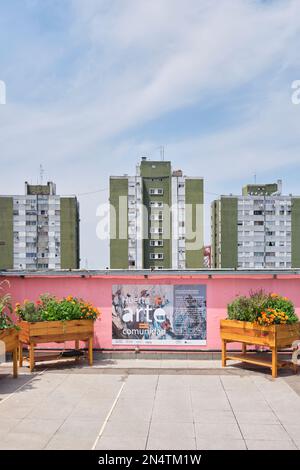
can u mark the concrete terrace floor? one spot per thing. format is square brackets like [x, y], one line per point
[149, 404]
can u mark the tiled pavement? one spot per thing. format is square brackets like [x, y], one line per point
[84, 408]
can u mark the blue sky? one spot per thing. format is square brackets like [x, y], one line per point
[94, 84]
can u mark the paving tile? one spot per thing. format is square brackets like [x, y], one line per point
[155, 443]
[23, 441]
[41, 427]
[241, 401]
[253, 444]
[173, 410]
[80, 428]
[271, 432]
[173, 382]
[221, 444]
[214, 416]
[171, 436]
[89, 411]
[288, 417]
[7, 423]
[51, 411]
[128, 409]
[121, 443]
[133, 428]
[204, 382]
[256, 417]
[293, 430]
[213, 401]
[69, 442]
[10, 410]
[238, 383]
[215, 431]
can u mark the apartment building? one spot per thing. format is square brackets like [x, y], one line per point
[258, 229]
[39, 230]
[156, 219]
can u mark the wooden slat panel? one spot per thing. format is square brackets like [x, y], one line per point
[250, 359]
[48, 332]
[273, 335]
[246, 325]
[10, 338]
[262, 341]
[59, 338]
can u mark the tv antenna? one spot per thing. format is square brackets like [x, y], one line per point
[42, 171]
[162, 152]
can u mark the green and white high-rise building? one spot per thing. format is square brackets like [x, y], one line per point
[259, 229]
[39, 230]
[156, 219]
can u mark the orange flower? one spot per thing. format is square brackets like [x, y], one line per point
[274, 295]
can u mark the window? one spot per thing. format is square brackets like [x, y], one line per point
[258, 222]
[158, 217]
[258, 253]
[157, 205]
[156, 191]
[156, 256]
[156, 243]
[30, 222]
[257, 212]
[131, 263]
[156, 230]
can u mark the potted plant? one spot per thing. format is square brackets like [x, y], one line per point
[56, 320]
[9, 334]
[262, 319]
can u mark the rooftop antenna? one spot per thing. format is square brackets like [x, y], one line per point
[42, 171]
[162, 152]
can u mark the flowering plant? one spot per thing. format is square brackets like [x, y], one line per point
[5, 309]
[50, 308]
[263, 308]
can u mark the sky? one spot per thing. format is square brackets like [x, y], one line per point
[93, 85]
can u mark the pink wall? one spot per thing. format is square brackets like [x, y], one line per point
[221, 289]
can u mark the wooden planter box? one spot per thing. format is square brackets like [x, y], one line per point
[32, 334]
[11, 339]
[274, 337]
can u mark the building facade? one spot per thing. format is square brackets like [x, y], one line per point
[156, 219]
[39, 230]
[259, 229]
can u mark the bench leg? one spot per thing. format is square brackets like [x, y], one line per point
[244, 348]
[223, 353]
[90, 343]
[21, 354]
[15, 363]
[31, 357]
[274, 363]
[77, 348]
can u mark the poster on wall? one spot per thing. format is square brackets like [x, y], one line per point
[159, 314]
